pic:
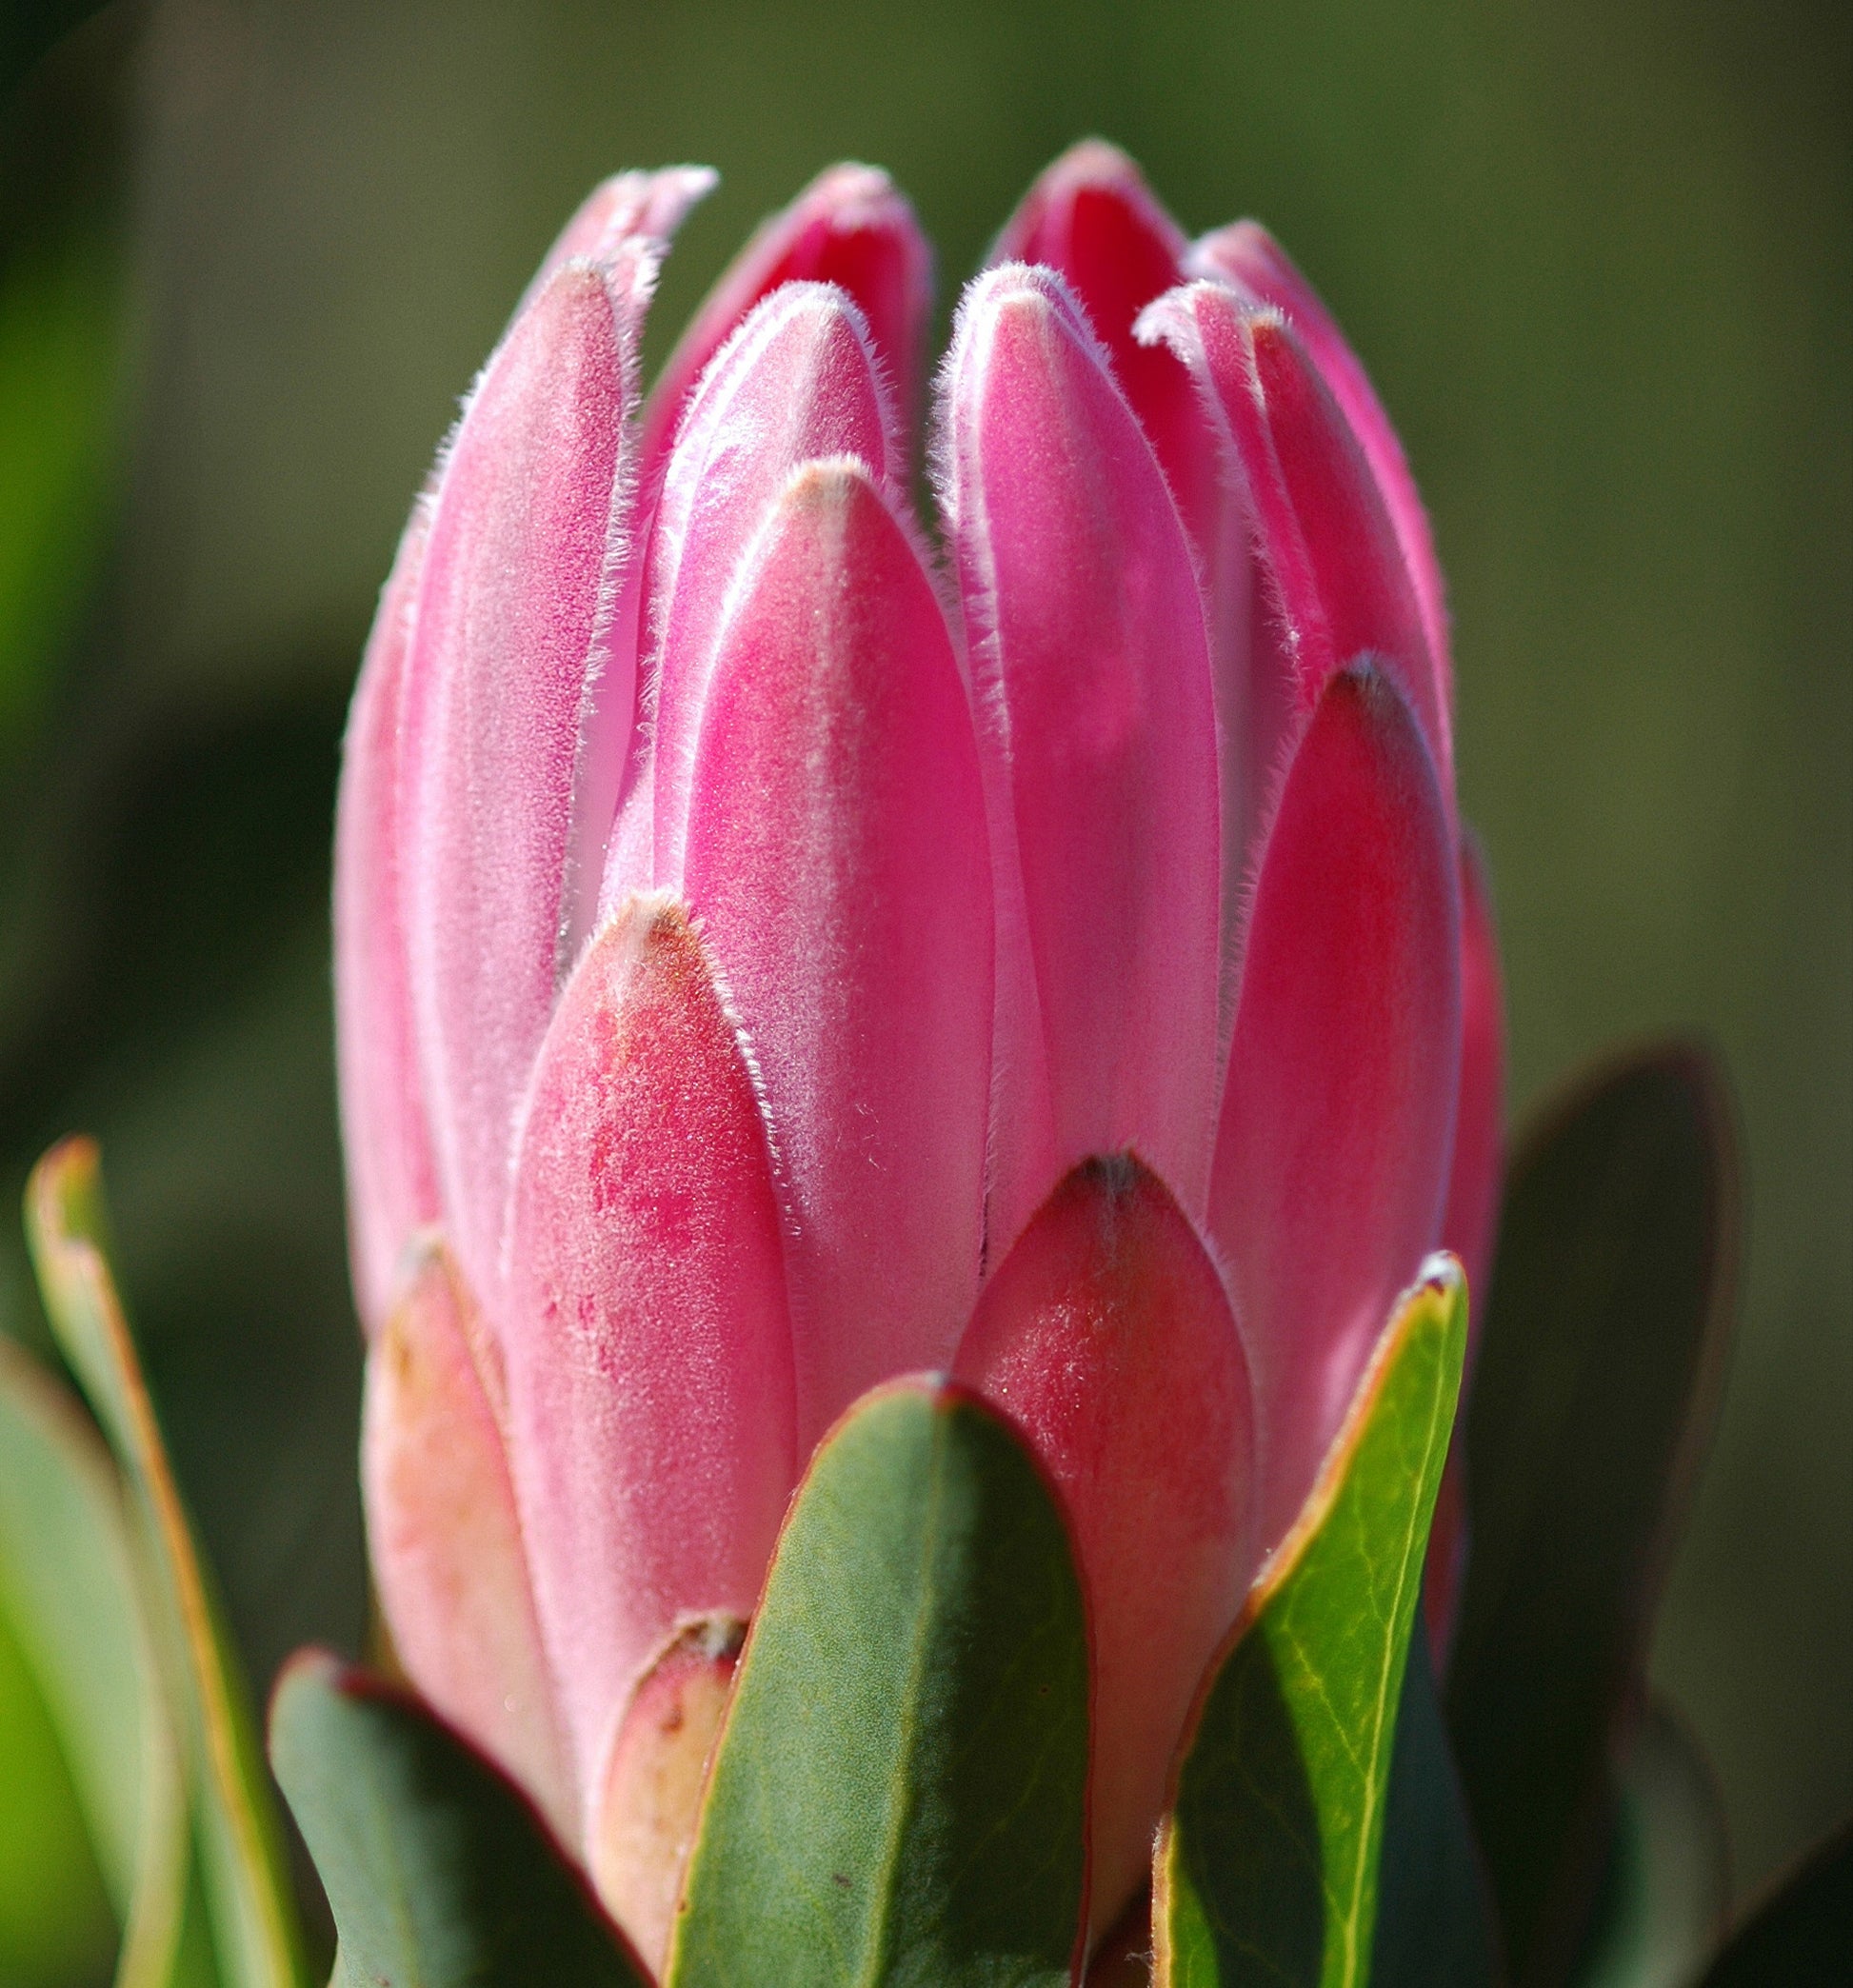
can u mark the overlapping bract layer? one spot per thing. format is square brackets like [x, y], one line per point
[770, 962]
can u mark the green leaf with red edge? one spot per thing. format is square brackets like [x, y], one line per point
[899, 1793]
[1602, 1342]
[1267, 1868]
[247, 1884]
[439, 1871]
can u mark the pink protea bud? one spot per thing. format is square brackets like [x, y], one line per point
[1092, 219]
[1106, 1334]
[766, 965]
[1091, 671]
[391, 1176]
[1332, 1157]
[838, 861]
[444, 1536]
[799, 382]
[849, 227]
[1246, 256]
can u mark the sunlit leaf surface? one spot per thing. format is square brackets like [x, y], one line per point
[1266, 1870]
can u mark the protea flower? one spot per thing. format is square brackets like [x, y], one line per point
[779, 949]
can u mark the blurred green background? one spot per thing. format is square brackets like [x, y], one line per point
[1596, 254]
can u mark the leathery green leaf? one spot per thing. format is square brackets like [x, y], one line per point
[439, 1871]
[55, 1921]
[1603, 1344]
[899, 1795]
[246, 1886]
[68, 1572]
[1267, 1868]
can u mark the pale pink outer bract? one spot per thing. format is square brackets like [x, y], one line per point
[770, 958]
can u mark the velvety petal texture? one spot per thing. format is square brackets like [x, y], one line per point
[799, 380]
[651, 1800]
[650, 1387]
[527, 537]
[851, 227]
[1246, 256]
[625, 223]
[444, 1539]
[391, 1176]
[1093, 218]
[1106, 1334]
[1338, 1123]
[1092, 673]
[838, 862]
[780, 947]
[1332, 567]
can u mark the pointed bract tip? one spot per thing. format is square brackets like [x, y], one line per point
[801, 307]
[822, 484]
[655, 919]
[633, 213]
[851, 195]
[1006, 280]
[1028, 292]
[1175, 317]
[1171, 319]
[844, 200]
[850, 225]
[1107, 1338]
[658, 925]
[1089, 165]
[1092, 161]
[1093, 167]
[1226, 253]
[1269, 330]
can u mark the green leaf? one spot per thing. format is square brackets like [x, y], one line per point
[253, 1912]
[1603, 1344]
[1266, 1869]
[1434, 1917]
[68, 1572]
[1802, 1935]
[1663, 1896]
[899, 1792]
[437, 1869]
[55, 1923]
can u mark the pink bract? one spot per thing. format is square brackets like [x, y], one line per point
[774, 955]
